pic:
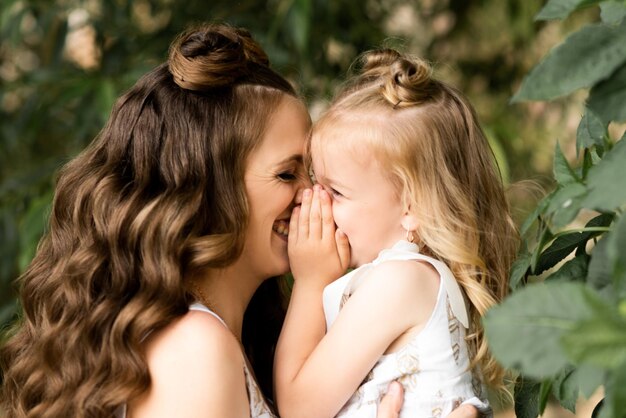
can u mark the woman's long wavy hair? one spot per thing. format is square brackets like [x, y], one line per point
[157, 196]
[426, 135]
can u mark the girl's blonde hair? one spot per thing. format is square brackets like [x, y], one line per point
[426, 136]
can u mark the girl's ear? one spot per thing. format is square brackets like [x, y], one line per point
[409, 220]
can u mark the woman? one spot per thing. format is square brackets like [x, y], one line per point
[180, 204]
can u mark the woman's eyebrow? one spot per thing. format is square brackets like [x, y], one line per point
[293, 158]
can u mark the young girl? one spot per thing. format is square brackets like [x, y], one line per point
[420, 212]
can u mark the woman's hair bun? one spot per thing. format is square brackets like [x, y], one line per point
[213, 56]
[404, 80]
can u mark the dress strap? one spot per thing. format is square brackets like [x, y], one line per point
[197, 306]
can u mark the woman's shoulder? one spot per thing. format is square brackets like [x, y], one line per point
[194, 333]
[195, 361]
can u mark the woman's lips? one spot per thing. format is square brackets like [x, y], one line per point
[281, 227]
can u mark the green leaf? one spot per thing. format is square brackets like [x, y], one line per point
[574, 270]
[539, 210]
[591, 131]
[524, 332]
[519, 269]
[566, 203]
[616, 393]
[599, 273]
[599, 340]
[560, 9]
[544, 395]
[608, 98]
[545, 237]
[614, 403]
[606, 191]
[565, 244]
[615, 251]
[526, 397]
[565, 388]
[563, 172]
[585, 58]
[587, 378]
[612, 12]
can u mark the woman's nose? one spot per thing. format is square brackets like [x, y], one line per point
[298, 198]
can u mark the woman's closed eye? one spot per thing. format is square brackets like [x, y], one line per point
[287, 176]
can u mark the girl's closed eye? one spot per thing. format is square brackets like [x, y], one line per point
[334, 193]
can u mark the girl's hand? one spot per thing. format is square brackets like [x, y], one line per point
[391, 404]
[318, 253]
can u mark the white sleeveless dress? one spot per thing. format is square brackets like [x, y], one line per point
[258, 406]
[433, 367]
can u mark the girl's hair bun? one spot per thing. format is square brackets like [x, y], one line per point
[213, 56]
[404, 80]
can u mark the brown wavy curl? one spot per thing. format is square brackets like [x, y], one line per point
[157, 196]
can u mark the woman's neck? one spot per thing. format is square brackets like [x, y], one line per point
[227, 292]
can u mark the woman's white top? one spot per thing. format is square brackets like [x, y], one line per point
[258, 405]
[433, 367]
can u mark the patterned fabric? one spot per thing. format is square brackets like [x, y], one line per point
[433, 367]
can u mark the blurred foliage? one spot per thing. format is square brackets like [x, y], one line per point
[564, 327]
[63, 63]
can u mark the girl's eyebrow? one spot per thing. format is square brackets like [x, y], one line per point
[330, 181]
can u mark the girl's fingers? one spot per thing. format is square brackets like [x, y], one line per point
[343, 248]
[328, 223]
[315, 217]
[293, 226]
[305, 210]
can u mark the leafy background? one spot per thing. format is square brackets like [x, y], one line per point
[63, 63]
[564, 326]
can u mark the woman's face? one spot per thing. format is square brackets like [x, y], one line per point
[274, 175]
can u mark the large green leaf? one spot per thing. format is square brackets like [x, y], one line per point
[599, 340]
[605, 181]
[608, 98]
[524, 332]
[585, 58]
[560, 9]
[613, 11]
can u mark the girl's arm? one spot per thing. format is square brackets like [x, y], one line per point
[316, 374]
[196, 367]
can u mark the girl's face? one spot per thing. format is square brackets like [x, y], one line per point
[366, 206]
[274, 175]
